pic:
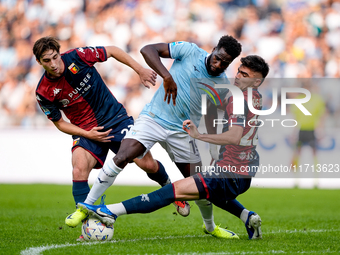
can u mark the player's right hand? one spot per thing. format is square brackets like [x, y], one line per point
[96, 135]
[170, 88]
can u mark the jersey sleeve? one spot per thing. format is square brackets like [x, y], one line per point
[92, 55]
[179, 50]
[49, 108]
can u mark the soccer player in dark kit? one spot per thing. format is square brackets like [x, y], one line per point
[98, 122]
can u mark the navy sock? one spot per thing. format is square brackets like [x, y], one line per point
[160, 176]
[153, 201]
[234, 207]
[80, 189]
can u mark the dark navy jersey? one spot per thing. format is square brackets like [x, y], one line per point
[243, 158]
[80, 92]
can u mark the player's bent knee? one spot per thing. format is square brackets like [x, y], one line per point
[149, 165]
[121, 160]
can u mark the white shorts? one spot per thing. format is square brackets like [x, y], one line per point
[179, 145]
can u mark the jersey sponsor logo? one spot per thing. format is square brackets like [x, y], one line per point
[73, 68]
[242, 155]
[249, 156]
[45, 110]
[81, 89]
[56, 91]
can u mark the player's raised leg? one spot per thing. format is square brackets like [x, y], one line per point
[128, 151]
[145, 203]
[181, 190]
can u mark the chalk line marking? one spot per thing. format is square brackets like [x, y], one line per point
[38, 250]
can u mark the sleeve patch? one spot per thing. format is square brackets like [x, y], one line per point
[175, 43]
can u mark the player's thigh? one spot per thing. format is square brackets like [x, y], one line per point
[147, 132]
[186, 189]
[96, 149]
[82, 162]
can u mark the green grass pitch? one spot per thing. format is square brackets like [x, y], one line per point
[294, 221]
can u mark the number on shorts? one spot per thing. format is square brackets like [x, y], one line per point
[193, 146]
[125, 130]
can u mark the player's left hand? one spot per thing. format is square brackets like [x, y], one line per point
[148, 77]
[190, 128]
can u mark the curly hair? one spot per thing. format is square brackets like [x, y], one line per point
[231, 46]
[256, 64]
[44, 44]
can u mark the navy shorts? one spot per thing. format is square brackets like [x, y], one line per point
[100, 150]
[219, 190]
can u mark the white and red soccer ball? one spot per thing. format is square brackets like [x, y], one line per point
[94, 230]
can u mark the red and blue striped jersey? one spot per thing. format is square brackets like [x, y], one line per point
[80, 92]
[243, 158]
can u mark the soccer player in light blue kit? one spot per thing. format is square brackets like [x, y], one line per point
[193, 73]
[219, 187]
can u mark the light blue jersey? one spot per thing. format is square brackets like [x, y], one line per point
[192, 79]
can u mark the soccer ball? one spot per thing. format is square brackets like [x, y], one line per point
[94, 230]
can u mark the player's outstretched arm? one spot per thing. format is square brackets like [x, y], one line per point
[232, 136]
[147, 76]
[152, 54]
[93, 134]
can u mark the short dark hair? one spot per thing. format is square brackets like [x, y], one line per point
[231, 46]
[256, 64]
[44, 44]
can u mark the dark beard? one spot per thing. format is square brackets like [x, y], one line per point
[207, 66]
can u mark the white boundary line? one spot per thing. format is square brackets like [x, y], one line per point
[38, 250]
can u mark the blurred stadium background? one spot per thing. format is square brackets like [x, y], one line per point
[299, 39]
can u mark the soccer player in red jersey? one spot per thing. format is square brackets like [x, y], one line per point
[97, 121]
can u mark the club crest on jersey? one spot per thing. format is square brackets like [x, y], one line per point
[73, 68]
